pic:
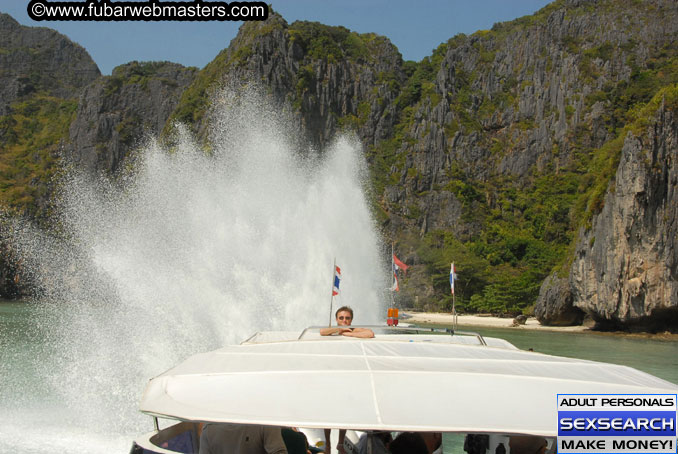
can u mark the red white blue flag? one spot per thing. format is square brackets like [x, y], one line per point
[453, 276]
[398, 265]
[337, 280]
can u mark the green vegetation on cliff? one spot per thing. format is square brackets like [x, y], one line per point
[459, 125]
[332, 44]
[519, 229]
[31, 136]
[194, 101]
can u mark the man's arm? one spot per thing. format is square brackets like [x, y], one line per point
[332, 331]
[363, 333]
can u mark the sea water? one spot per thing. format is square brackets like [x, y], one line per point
[186, 251]
[39, 431]
[190, 251]
[655, 356]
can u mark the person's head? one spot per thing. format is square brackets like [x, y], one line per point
[408, 443]
[384, 436]
[433, 440]
[344, 316]
[527, 444]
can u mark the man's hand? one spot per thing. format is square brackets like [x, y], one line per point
[330, 331]
[364, 333]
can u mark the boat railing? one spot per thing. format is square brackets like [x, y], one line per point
[403, 330]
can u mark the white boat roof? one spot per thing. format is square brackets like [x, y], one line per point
[403, 382]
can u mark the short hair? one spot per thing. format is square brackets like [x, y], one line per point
[343, 309]
[408, 443]
[527, 444]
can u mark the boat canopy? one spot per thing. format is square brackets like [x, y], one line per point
[398, 383]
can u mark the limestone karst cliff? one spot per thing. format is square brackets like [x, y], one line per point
[116, 112]
[625, 268]
[39, 60]
[623, 273]
[503, 151]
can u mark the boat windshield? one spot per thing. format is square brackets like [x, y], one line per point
[385, 333]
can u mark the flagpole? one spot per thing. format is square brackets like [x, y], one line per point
[454, 312]
[392, 277]
[453, 277]
[334, 271]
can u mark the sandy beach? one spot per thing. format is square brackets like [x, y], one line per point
[482, 320]
[438, 318]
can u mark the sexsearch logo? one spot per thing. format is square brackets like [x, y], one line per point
[617, 423]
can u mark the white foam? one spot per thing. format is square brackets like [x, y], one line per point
[193, 252]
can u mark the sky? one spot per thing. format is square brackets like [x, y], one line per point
[415, 27]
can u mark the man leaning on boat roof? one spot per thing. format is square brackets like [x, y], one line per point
[344, 316]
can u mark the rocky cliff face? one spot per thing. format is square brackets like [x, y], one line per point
[36, 59]
[524, 98]
[54, 102]
[554, 305]
[509, 115]
[41, 75]
[115, 112]
[12, 282]
[471, 139]
[330, 78]
[625, 270]
[503, 151]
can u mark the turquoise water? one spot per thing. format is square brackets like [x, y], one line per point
[186, 253]
[654, 356]
[30, 391]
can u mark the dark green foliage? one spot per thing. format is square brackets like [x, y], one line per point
[31, 135]
[518, 231]
[128, 129]
[523, 229]
[420, 78]
[437, 250]
[322, 42]
[644, 83]
[194, 100]
[382, 160]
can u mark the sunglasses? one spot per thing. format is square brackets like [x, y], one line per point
[344, 318]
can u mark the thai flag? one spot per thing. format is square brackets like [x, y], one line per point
[395, 287]
[337, 279]
[453, 276]
[398, 265]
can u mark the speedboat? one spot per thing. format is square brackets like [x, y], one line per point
[403, 379]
